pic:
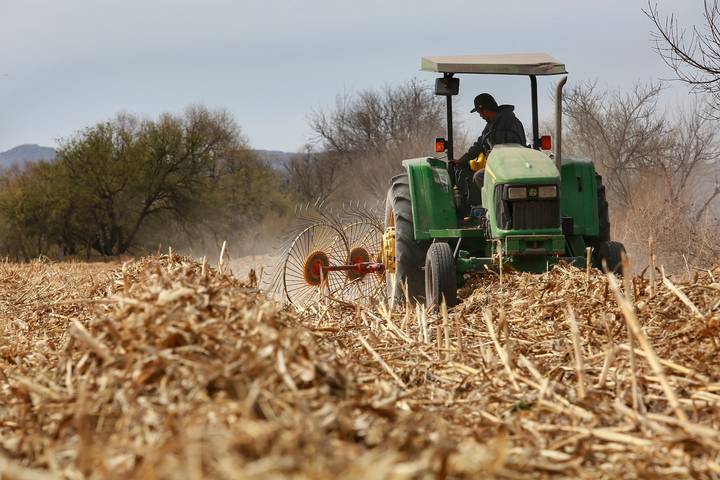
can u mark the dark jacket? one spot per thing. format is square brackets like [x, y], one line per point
[504, 128]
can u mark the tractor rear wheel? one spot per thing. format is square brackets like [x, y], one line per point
[603, 212]
[440, 276]
[409, 253]
[611, 252]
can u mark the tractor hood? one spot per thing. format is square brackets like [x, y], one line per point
[517, 164]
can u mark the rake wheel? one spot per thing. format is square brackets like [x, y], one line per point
[316, 246]
[330, 252]
[364, 240]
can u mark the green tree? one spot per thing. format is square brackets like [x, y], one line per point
[117, 184]
[128, 170]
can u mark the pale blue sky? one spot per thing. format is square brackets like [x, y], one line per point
[66, 64]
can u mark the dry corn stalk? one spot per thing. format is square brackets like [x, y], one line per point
[178, 370]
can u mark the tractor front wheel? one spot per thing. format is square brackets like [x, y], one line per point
[440, 276]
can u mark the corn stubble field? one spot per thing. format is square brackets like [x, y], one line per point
[163, 368]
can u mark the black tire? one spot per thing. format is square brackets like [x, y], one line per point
[409, 254]
[611, 252]
[603, 212]
[440, 276]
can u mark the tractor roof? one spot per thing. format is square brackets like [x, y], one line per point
[504, 64]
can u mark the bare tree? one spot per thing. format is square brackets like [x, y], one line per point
[314, 175]
[620, 131]
[691, 157]
[692, 53]
[372, 132]
[658, 168]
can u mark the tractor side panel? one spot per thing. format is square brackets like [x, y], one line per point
[433, 207]
[578, 195]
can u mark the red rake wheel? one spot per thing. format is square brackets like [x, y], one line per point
[313, 268]
[365, 242]
[316, 246]
[357, 255]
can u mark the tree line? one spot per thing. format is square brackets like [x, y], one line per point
[126, 185]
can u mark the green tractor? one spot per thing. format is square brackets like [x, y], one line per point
[541, 208]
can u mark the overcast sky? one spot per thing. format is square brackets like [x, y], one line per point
[66, 64]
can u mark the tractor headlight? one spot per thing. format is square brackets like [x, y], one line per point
[547, 191]
[517, 193]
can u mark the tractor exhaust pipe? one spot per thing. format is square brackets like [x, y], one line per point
[558, 122]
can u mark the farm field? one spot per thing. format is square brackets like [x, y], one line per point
[164, 368]
[307, 240]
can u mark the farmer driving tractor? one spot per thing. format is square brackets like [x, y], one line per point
[502, 127]
[534, 210]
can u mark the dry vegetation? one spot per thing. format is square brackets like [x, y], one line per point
[165, 368]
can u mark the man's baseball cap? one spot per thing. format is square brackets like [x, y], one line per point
[484, 100]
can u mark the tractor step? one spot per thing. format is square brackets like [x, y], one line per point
[457, 233]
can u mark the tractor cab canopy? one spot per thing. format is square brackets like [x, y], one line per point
[530, 64]
[507, 64]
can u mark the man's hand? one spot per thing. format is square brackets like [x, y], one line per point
[455, 163]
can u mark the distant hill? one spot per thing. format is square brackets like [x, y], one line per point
[275, 158]
[23, 154]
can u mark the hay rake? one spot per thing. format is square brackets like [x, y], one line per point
[331, 253]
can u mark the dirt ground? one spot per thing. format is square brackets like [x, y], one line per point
[262, 264]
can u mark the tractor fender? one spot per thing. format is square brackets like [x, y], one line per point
[431, 196]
